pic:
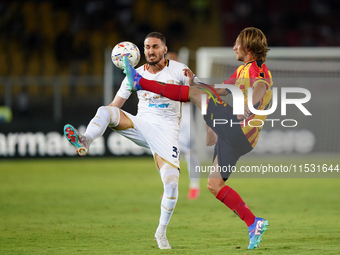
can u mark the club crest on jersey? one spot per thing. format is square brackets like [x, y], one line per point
[150, 96]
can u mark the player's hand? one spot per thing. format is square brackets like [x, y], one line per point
[246, 114]
[211, 137]
[188, 73]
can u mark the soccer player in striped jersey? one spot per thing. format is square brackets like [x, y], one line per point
[236, 140]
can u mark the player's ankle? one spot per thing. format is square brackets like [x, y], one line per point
[161, 229]
[88, 140]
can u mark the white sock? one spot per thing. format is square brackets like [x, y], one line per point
[161, 229]
[105, 116]
[169, 175]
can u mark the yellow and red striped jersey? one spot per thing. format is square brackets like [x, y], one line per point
[247, 76]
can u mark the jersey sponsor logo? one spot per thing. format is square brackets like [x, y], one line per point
[159, 105]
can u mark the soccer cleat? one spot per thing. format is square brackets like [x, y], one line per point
[76, 139]
[256, 231]
[132, 76]
[193, 193]
[162, 241]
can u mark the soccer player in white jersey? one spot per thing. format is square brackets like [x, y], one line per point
[156, 126]
[186, 144]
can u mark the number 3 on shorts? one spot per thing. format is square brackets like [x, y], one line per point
[175, 150]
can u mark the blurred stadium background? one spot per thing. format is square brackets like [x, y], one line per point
[53, 55]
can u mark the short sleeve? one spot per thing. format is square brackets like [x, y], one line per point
[123, 91]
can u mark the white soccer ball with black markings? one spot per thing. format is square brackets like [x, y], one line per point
[127, 49]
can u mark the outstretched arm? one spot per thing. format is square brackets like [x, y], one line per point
[259, 91]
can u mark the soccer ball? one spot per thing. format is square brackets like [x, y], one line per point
[125, 49]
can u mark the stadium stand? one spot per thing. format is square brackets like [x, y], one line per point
[46, 39]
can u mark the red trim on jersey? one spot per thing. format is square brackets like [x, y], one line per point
[251, 132]
[247, 120]
[261, 102]
[253, 141]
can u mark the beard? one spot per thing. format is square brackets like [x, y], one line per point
[241, 55]
[155, 62]
[240, 58]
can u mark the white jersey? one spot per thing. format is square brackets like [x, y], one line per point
[153, 107]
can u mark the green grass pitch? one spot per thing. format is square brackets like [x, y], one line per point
[112, 206]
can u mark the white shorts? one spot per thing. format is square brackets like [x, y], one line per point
[154, 137]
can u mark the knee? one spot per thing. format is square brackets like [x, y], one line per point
[171, 186]
[170, 182]
[102, 109]
[215, 185]
[112, 113]
[195, 95]
[171, 189]
[170, 177]
[211, 187]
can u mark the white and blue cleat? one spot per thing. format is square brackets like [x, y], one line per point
[256, 231]
[132, 75]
